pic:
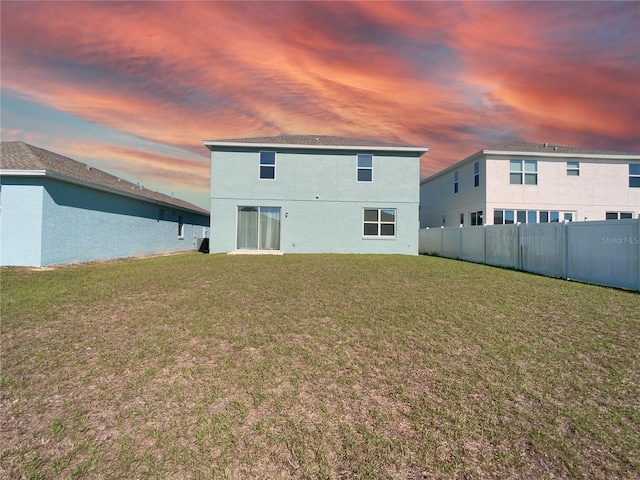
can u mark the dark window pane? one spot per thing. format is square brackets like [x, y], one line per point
[555, 216]
[498, 217]
[624, 215]
[612, 215]
[531, 178]
[267, 158]
[268, 172]
[455, 187]
[365, 160]
[371, 229]
[476, 167]
[515, 178]
[544, 217]
[364, 175]
[387, 229]
[476, 181]
[509, 216]
[573, 173]
[522, 216]
[634, 169]
[371, 215]
[634, 182]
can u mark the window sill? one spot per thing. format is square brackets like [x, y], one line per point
[256, 252]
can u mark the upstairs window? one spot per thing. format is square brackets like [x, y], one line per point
[523, 172]
[379, 222]
[365, 167]
[268, 165]
[476, 174]
[573, 169]
[455, 182]
[634, 175]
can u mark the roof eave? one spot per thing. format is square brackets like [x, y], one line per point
[210, 143]
[604, 156]
[95, 186]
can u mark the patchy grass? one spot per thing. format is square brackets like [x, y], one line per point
[315, 366]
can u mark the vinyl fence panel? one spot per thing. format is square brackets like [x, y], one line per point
[502, 245]
[472, 244]
[542, 248]
[451, 242]
[430, 241]
[604, 252]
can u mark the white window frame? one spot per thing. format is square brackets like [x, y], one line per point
[267, 165]
[573, 169]
[364, 168]
[476, 174]
[476, 218]
[552, 216]
[379, 223]
[618, 215]
[634, 178]
[526, 169]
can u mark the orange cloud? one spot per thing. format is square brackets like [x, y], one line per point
[454, 77]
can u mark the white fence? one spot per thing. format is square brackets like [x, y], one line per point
[604, 252]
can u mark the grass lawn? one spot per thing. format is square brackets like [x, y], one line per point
[315, 366]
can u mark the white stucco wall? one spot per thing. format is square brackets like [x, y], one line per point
[602, 186]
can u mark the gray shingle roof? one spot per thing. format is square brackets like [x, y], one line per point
[21, 156]
[319, 140]
[549, 148]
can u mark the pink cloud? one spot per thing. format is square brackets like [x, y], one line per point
[456, 77]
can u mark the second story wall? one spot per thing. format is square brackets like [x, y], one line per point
[318, 175]
[454, 192]
[585, 188]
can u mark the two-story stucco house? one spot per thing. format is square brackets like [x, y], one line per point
[55, 210]
[314, 194]
[532, 183]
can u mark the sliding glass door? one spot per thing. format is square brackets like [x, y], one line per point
[258, 228]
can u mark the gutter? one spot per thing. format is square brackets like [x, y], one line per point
[95, 186]
[209, 144]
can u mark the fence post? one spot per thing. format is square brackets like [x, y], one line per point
[484, 239]
[637, 239]
[441, 253]
[565, 250]
[519, 247]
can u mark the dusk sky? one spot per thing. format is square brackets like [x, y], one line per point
[134, 88]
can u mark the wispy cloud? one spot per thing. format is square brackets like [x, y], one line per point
[456, 77]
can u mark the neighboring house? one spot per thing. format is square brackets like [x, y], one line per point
[532, 183]
[55, 210]
[314, 194]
